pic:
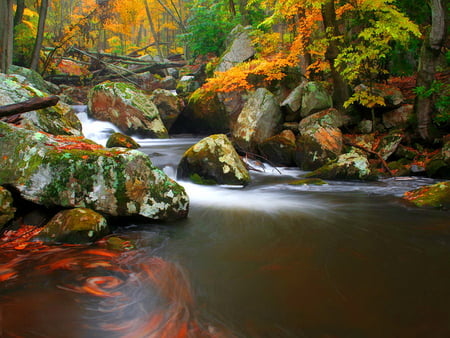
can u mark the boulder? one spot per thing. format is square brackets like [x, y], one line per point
[213, 160]
[320, 139]
[260, 119]
[292, 104]
[279, 149]
[35, 79]
[6, 207]
[239, 48]
[127, 107]
[206, 113]
[187, 85]
[314, 98]
[74, 172]
[439, 165]
[349, 166]
[121, 140]
[398, 118]
[430, 196]
[383, 144]
[78, 226]
[169, 106]
[60, 119]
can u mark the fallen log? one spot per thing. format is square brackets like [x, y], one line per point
[29, 105]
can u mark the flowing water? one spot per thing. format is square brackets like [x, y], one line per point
[346, 259]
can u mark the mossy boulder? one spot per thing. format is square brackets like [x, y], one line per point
[349, 166]
[6, 207]
[60, 119]
[73, 172]
[121, 140]
[127, 107]
[35, 79]
[279, 149]
[314, 98]
[79, 225]
[213, 160]
[308, 181]
[260, 119]
[206, 113]
[430, 196]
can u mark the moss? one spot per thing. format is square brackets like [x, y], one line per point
[197, 179]
[431, 196]
[308, 181]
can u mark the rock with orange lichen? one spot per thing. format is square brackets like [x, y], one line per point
[121, 140]
[75, 172]
[430, 196]
[320, 139]
[127, 107]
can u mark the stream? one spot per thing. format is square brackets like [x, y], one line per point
[345, 259]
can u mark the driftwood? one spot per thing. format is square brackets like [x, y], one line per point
[382, 160]
[29, 105]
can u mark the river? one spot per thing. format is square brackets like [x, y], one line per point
[346, 259]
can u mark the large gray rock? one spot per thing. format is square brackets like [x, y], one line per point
[239, 48]
[260, 119]
[213, 160]
[398, 118]
[57, 120]
[127, 107]
[74, 172]
[314, 98]
[293, 103]
[35, 79]
[6, 207]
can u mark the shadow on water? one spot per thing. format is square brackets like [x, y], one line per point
[347, 259]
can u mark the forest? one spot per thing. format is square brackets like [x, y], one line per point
[342, 43]
[230, 168]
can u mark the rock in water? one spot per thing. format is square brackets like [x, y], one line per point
[121, 140]
[75, 172]
[430, 196]
[127, 107]
[79, 225]
[213, 160]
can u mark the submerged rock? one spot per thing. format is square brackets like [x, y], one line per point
[6, 207]
[213, 160]
[260, 119]
[121, 140]
[74, 172]
[79, 225]
[430, 196]
[349, 166]
[57, 120]
[128, 108]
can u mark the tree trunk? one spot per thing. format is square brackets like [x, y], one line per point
[29, 105]
[18, 16]
[40, 35]
[341, 91]
[429, 57]
[153, 30]
[6, 34]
